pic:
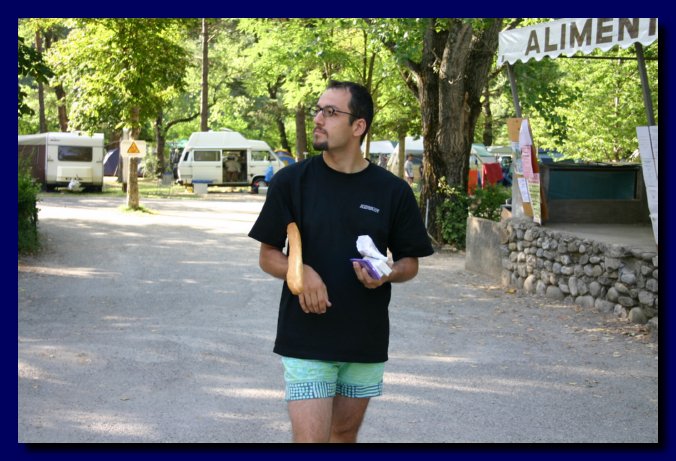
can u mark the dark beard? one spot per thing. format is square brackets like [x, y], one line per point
[321, 146]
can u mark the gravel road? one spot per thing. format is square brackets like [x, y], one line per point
[139, 327]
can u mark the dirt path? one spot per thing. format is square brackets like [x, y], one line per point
[159, 328]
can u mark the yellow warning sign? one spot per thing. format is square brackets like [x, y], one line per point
[133, 149]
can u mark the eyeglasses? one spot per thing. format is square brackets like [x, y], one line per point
[327, 111]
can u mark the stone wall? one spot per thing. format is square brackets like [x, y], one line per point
[482, 247]
[609, 277]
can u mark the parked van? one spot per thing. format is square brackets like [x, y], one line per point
[56, 158]
[226, 158]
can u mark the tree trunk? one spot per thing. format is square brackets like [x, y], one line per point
[132, 186]
[282, 133]
[204, 122]
[135, 122]
[120, 159]
[301, 133]
[480, 62]
[488, 118]
[434, 161]
[369, 86]
[402, 155]
[160, 140]
[41, 89]
[278, 114]
[60, 94]
[453, 73]
[61, 107]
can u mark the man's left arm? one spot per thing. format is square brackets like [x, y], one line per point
[403, 270]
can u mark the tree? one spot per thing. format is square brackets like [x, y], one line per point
[450, 73]
[31, 65]
[204, 102]
[396, 110]
[204, 107]
[120, 71]
[602, 120]
[119, 68]
[288, 78]
[47, 31]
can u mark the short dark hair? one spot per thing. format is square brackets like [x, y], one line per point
[361, 102]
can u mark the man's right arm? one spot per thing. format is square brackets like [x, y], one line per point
[273, 261]
[314, 297]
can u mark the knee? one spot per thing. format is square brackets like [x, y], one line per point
[344, 433]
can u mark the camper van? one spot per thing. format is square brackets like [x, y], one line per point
[57, 158]
[226, 158]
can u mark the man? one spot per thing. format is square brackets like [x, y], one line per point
[233, 169]
[408, 169]
[333, 337]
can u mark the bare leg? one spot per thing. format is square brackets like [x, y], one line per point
[311, 419]
[348, 414]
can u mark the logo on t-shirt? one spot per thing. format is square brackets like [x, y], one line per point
[369, 208]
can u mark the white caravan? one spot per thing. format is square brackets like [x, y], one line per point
[226, 158]
[56, 158]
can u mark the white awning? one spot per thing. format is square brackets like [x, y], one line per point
[572, 35]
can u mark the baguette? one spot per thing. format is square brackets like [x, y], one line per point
[294, 274]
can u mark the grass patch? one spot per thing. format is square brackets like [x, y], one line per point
[153, 188]
[148, 188]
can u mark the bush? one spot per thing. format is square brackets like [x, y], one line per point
[452, 212]
[486, 201]
[28, 213]
[149, 166]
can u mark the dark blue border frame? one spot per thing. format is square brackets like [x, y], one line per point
[379, 8]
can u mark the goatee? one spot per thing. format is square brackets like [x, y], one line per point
[321, 146]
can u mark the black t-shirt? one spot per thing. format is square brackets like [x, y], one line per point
[332, 209]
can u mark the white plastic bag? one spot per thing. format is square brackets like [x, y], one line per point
[374, 261]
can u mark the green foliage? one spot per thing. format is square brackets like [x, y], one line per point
[541, 93]
[487, 200]
[150, 164]
[452, 214]
[28, 213]
[119, 70]
[262, 69]
[585, 108]
[602, 122]
[456, 205]
[30, 65]
[281, 79]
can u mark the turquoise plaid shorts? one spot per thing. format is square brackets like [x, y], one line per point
[318, 379]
